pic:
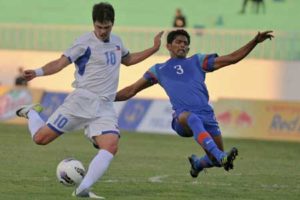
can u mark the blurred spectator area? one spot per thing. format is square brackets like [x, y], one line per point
[59, 37]
[215, 26]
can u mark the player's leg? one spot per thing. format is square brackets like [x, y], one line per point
[201, 136]
[206, 161]
[40, 132]
[212, 126]
[105, 135]
[197, 164]
[181, 129]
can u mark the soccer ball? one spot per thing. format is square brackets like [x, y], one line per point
[70, 172]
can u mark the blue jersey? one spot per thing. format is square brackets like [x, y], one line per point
[183, 79]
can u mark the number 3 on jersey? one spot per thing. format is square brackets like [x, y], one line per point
[179, 69]
[110, 58]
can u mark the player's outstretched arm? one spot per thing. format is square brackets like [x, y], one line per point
[50, 68]
[134, 58]
[241, 53]
[131, 90]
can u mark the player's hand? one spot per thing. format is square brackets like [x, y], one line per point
[157, 40]
[260, 37]
[29, 74]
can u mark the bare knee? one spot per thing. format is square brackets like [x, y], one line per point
[182, 118]
[108, 142]
[40, 139]
[44, 136]
[113, 148]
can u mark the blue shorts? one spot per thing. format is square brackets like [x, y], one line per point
[209, 123]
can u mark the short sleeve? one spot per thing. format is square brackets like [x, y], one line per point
[75, 51]
[207, 61]
[124, 50]
[151, 75]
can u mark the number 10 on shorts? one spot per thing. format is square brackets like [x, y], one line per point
[60, 121]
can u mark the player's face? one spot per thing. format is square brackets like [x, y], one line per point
[102, 30]
[179, 48]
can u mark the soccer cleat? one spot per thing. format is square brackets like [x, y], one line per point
[23, 111]
[227, 161]
[194, 171]
[86, 194]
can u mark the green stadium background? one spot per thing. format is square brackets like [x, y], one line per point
[280, 15]
[33, 32]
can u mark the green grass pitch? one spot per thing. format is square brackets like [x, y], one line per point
[148, 167]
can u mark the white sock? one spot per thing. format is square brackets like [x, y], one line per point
[35, 122]
[96, 169]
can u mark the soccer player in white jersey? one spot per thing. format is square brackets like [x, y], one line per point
[97, 56]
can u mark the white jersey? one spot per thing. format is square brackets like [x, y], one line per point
[97, 64]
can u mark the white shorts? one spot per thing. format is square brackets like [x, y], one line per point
[85, 110]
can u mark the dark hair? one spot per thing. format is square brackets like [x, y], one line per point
[172, 35]
[103, 12]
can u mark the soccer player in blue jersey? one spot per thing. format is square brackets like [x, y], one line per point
[183, 79]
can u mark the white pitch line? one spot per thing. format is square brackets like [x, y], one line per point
[274, 186]
[157, 179]
[111, 181]
[162, 179]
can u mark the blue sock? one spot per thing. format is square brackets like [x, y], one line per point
[204, 162]
[203, 137]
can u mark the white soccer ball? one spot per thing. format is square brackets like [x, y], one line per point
[70, 172]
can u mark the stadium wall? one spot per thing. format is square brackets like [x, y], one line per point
[250, 79]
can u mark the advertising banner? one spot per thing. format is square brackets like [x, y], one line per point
[133, 112]
[158, 118]
[50, 102]
[259, 119]
[239, 118]
[12, 99]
